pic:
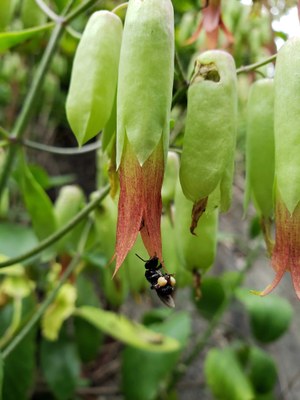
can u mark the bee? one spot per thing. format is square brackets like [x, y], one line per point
[163, 283]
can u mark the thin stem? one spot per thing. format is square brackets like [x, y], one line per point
[47, 10]
[66, 151]
[254, 66]
[180, 69]
[181, 92]
[72, 32]
[50, 149]
[82, 7]
[61, 232]
[176, 150]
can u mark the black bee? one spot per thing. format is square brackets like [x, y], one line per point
[163, 283]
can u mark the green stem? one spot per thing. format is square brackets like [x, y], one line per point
[254, 66]
[184, 84]
[179, 70]
[62, 150]
[80, 9]
[60, 233]
[180, 94]
[47, 10]
[50, 149]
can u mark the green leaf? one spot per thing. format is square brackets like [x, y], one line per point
[270, 316]
[225, 376]
[6, 11]
[37, 203]
[47, 181]
[58, 311]
[129, 332]
[212, 296]
[262, 371]
[19, 369]
[61, 367]
[31, 14]
[260, 146]
[156, 315]
[10, 39]
[16, 239]
[150, 370]
[6, 313]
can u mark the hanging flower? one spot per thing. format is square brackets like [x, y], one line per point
[286, 252]
[211, 23]
[143, 107]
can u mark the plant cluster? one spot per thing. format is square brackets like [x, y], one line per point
[169, 95]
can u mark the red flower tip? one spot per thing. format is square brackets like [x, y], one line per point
[140, 204]
[286, 253]
[212, 23]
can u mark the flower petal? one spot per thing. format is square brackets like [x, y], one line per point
[286, 253]
[131, 204]
[294, 251]
[211, 16]
[153, 171]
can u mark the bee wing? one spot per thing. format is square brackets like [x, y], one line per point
[167, 299]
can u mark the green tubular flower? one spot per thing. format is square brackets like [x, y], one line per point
[196, 252]
[105, 217]
[209, 141]
[260, 153]
[144, 99]
[94, 76]
[145, 77]
[287, 123]
[286, 253]
[170, 178]
[260, 146]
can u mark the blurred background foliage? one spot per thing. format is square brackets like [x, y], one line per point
[225, 337]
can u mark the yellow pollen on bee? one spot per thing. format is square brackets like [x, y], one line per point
[161, 281]
[172, 281]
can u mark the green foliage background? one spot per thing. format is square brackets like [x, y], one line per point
[67, 330]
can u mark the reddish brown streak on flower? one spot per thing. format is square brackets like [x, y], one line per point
[212, 23]
[140, 203]
[286, 254]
